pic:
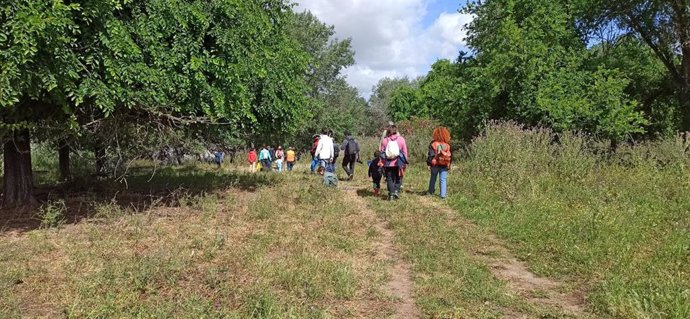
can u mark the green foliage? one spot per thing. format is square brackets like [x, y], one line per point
[540, 63]
[591, 219]
[406, 103]
[52, 214]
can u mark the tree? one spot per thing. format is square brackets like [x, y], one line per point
[39, 71]
[333, 103]
[531, 65]
[157, 61]
[663, 25]
[405, 103]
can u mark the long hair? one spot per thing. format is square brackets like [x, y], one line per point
[441, 134]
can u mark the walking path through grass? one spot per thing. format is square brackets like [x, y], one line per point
[400, 284]
[459, 270]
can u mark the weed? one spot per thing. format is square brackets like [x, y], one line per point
[52, 214]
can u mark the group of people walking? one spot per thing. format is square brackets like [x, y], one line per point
[267, 156]
[390, 161]
[325, 152]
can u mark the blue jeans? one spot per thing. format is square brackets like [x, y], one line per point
[314, 164]
[279, 163]
[435, 172]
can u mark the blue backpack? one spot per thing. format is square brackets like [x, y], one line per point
[330, 179]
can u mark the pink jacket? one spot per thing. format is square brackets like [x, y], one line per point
[401, 144]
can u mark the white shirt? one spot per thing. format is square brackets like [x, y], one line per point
[324, 150]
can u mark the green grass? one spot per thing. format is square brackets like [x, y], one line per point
[283, 251]
[615, 226]
[450, 280]
[200, 242]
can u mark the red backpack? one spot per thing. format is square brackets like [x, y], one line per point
[443, 154]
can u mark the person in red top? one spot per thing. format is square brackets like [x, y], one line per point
[252, 158]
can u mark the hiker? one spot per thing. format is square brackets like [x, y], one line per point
[351, 149]
[385, 134]
[265, 159]
[336, 152]
[218, 155]
[324, 152]
[314, 160]
[290, 159]
[385, 130]
[375, 172]
[272, 152]
[394, 154]
[279, 158]
[439, 160]
[252, 158]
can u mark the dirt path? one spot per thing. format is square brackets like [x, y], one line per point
[520, 280]
[400, 284]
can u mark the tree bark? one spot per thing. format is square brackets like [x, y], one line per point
[685, 86]
[18, 182]
[64, 160]
[682, 21]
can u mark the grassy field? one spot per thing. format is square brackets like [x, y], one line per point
[617, 226]
[282, 251]
[532, 229]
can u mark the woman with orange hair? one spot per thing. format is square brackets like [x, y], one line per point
[439, 159]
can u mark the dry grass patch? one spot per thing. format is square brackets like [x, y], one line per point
[290, 250]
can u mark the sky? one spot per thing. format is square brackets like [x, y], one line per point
[393, 38]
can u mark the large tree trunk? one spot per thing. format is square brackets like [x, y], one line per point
[18, 182]
[685, 85]
[64, 160]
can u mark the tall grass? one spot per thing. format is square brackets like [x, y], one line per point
[616, 223]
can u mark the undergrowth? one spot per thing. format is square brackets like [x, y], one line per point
[615, 224]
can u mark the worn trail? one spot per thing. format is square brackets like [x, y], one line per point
[400, 285]
[506, 267]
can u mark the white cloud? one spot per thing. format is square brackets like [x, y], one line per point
[389, 37]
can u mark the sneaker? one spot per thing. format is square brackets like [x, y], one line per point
[396, 196]
[377, 191]
[350, 177]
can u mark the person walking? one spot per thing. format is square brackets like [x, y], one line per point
[394, 153]
[324, 152]
[252, 158]
[314, 160]
[280, 155]
[439, 160]
[265, 159]
[375, 172]
[350, 148]
[219, 156]
[290, 158]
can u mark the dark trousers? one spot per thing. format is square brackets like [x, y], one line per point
[376, 180]
[393, 180]
[265, 166]
[349, 162]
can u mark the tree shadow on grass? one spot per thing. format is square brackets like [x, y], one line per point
[143, 189]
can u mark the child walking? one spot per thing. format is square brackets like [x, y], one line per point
[375, 172]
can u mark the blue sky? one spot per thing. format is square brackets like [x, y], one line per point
[436, 7]
[393, 38]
